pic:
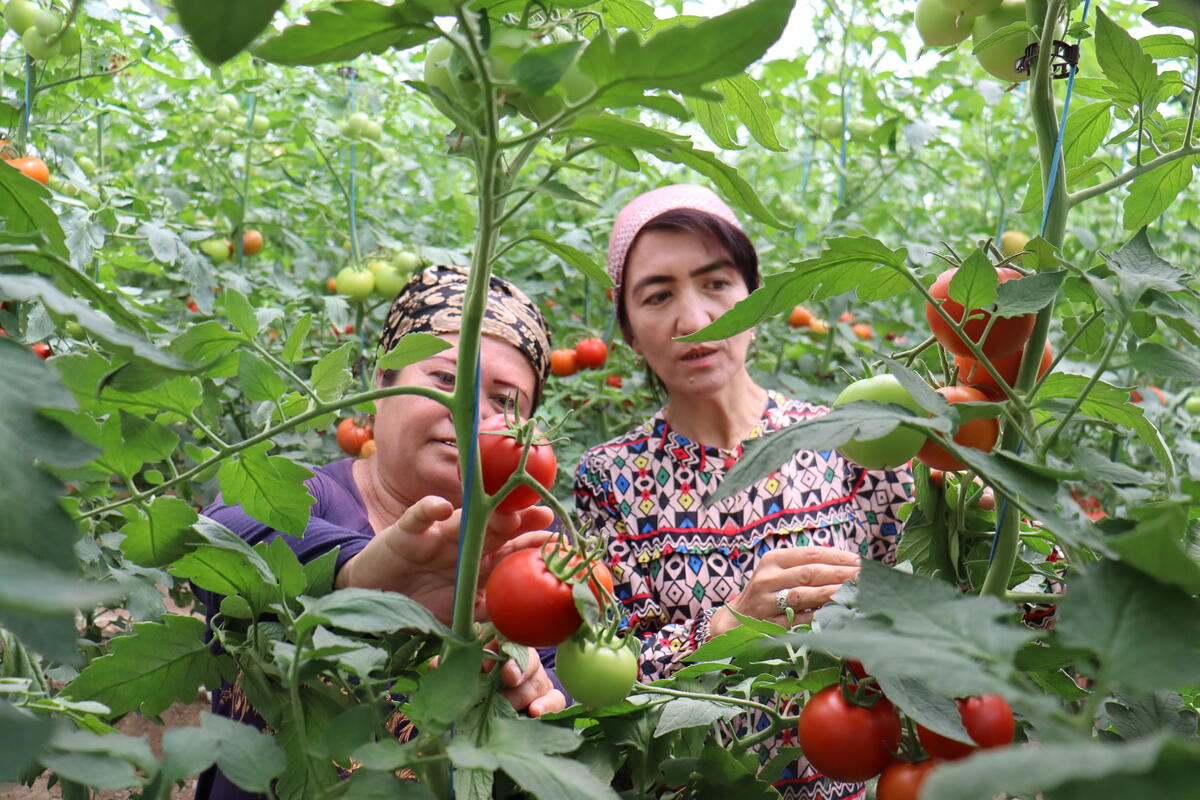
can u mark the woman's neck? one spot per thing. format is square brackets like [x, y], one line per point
[383, 509]
[723, 419]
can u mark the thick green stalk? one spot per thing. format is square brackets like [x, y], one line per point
[1008, 535]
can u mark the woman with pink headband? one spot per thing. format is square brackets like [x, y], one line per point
[680, 259]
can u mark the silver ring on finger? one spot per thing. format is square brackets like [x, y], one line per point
[781, 600]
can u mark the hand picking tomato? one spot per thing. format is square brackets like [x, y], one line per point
[846, 742]
[501, 455]
[902, 780]
[563, 363]
[892, 449]
[988, 720]
[532, 606]
[1008, 334]
[972, 373]
[352, 434]
[591, 353]
[596, 673]
[978, 433]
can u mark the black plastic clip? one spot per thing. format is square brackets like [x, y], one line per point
[1064, 58]
[347, 72]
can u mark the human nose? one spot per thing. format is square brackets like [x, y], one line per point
[692, 314]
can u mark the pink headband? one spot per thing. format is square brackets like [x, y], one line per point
[646, 207]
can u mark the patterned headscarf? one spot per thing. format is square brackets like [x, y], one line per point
[432, 302]
[645, 207]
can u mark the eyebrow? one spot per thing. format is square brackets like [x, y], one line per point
[650, 280]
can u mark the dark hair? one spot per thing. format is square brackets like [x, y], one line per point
[731, 239]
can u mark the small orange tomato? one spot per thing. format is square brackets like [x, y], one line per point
[368, 449]
[331, 285]
[352, 434]
[846, 317]
[562, 363]
[31, 167]
[252, 242]
[800, 317]
[615, 381]
[862, 330]
[818, 326]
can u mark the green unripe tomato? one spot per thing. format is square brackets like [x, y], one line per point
[939, 26]
[223, 138]
[999, 58]
[357, 124]
[1192, 404]
[373, 131]
[405, 262]
[970, 8]
[18, 14]
[860, 130]
[37, 47]
[890, 450]
[388, 281]
[47, 22]
[231, 103]
[831, 128]
[216, 249]
[222, 114]
[74, 329]
[71, 41]
[261, 125]
[357, 284]
[596, 673]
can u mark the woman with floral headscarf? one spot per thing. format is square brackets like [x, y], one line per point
[394, 517]
[680, 259]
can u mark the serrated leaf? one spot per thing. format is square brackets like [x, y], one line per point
[351, 29]
[150, 668]
[681, 713]
[1153, 193]
[270, 488]
[1131, 70]
[240, 312]
[295, 339]
[1157, 546]
[258, 380]
[204, 343]
[248, 757]
[1029, 294]
[22, 737]
[1087, 128]
[1175, 14]
[974, 284]
[221, 29]
[1164, 362]
[573, 256]
[369, 611]
[331, 375]
[160, 534]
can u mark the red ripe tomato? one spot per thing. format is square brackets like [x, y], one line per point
[615, 381]
[31, 167]
[591, 353]
[1136, 396]
[988, 720]
[846, 317]
[846, 742]
[530, 605]
[1008, 334]
[42, 350]
[972, 373]
[563, 363]
[499, 457]
[192, 307]
[352, 434]
[902, 780]
[978, 433]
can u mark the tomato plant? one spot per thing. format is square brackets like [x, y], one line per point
[500, 455]
[352, 434]
[1006, 335]
[596, 673]
[980, 434]
[591, 353]
[844, 741]
[889, 450]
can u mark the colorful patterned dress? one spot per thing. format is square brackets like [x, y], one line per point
[674, 562]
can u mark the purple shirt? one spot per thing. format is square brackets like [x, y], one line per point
[338, 519]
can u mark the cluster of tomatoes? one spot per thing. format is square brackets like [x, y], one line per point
[943, 23]
[853, 733]
[41, 30]
[588, 354]
[1004, 347]
[384, 278]
[356, 437]
[221, 250]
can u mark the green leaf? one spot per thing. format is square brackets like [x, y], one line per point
[1167, 45]
[1138, 716]
[160, 533]
[687, 57]
[680, 713]
[1175, 14]
[248, 757]
[284, 564]
[331, 376]
[743, 99]
[1087, 128]
[974, 285]
[1151, 767]
[22, 736]
[97, 770]
[1135, 80]
[446, 693]
[1029, 294]
[1139, 269]
[258, 379]
[240, 312]
[412, 348]
[1153, 193]
[270, 488]
[350, 30]
[1157, 546]
[848, 263]
[150, 668]
[538, 70]
[221, 29]
[228, 566]
[576, 258]
[366, 784]
[295, 340]
[369, 611]
[1163, 362]
[1121, 614]
[318, 573]
[24, 211]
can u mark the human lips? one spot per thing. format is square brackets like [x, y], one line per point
[698, 356]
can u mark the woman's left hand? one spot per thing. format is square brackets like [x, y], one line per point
[530, 691]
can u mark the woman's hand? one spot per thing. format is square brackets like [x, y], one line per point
[418, 555]
[810, 575]
[530, 691]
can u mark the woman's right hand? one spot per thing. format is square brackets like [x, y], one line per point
[418, 555]
[811, 576]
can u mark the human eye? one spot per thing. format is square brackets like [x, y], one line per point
[656, 299]
[443, 378]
